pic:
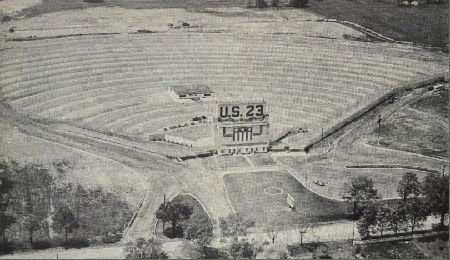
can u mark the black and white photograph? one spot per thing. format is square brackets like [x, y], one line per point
[224, 129]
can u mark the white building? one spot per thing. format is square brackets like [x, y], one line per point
[190, 93]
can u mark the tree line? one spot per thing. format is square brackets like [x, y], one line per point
[276, 3]
[38, 209]
[418, 200]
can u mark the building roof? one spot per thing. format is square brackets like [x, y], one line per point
[195, 89]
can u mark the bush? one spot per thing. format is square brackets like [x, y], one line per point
[75, 243]
[42, 244]
[299, 3]
[7, 248]
[6, 18]
[177, 233]
[214, 253]
[145, 249]
[111, 239]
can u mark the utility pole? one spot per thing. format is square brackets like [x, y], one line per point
[322, 133]
[164, 207]
[379, 128]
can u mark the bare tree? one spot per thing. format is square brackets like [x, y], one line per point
[272, 232]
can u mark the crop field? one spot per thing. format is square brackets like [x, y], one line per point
[265, 196]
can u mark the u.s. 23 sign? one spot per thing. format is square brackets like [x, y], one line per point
[240, 110]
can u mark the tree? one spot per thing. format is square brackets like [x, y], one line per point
[367, 222]
[261, 4]
[362, 194]
[31, 222]
[274, 251]
[435, 191]
[5, 186]
[416, 212]
[145, 249]
[272, 232]
[298, 3]
[397, 219]
[199, 229]
[173, 212]
[35, 214]
[256, 3]
[383, 216]
[64, 220]
[233, 225]
[409, 186]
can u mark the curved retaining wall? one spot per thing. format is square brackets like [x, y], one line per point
[370, 106]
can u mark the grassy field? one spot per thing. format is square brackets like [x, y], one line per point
[261, 159]
[426, 24]
[48, 6]
[421, 127]
[261, 197]
[337, 177]
[232, 161]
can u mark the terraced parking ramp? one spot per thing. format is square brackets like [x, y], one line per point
[117, 83]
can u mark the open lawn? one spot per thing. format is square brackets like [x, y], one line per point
[232, 161]
[261, 197]
[424, 24]
[337, 177]
[49, 6]
[421, 127]
[261, 159]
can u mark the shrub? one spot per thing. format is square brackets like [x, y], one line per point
[6, 248]
[299, 3]
[177, 232]
[6, 18]
[111, 239]
[145, 249]
[214, 253]
[41, 244]
[75, 243]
